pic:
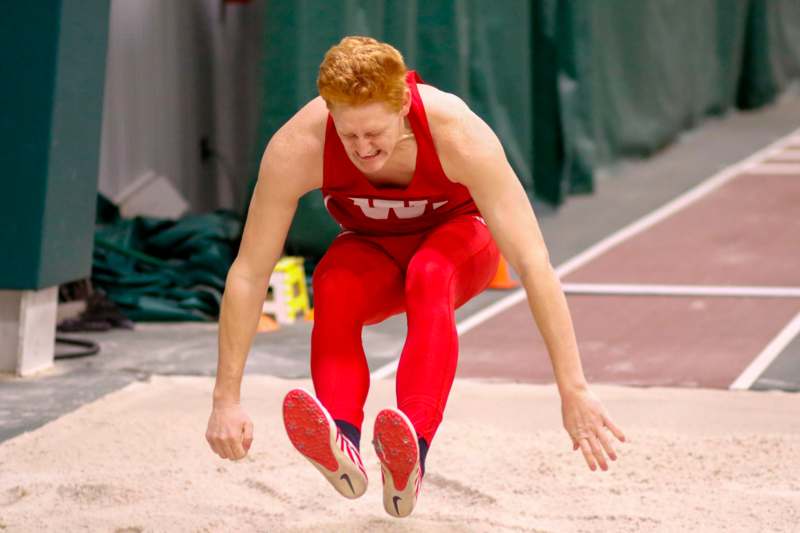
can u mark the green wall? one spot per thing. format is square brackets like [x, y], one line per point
[632, 75]
[53, 64]
[482, 55]
[569, 86]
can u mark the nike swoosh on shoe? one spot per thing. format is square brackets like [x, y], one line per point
[395, 500]
[313, 432]
[395, 442]
[349, 483]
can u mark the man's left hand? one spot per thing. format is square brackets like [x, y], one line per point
[586, 421]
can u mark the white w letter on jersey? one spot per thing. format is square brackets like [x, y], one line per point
[379, 210]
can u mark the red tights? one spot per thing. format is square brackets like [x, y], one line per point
[364, 280]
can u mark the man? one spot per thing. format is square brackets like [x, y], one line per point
[423, 191]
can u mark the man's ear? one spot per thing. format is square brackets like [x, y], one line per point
[406, 102]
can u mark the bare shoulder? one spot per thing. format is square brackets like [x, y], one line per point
[445, 111]
[458, 133]
[293, 155]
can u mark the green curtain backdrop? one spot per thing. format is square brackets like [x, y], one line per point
[772, 53]
[635, 74]
[482, 55]
[631, 75]
[568, 85]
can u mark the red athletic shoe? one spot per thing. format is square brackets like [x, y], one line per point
[315, 435]
[396, 445]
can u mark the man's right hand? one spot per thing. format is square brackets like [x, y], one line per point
[230, 431]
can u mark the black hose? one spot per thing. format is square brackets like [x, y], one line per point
[92, 348]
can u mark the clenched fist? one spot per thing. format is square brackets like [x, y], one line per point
[230, 431]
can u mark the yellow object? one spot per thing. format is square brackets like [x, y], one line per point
[289, 292]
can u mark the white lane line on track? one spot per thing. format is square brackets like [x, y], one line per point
[630, 289]
[636, 227]
[765, 358]
[791, 169]
[694, 194]
[786, 156]
[386, 370]
[465, 325]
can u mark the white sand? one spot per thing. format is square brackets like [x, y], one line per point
[137, 461]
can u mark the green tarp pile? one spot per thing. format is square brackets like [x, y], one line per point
[164, 270]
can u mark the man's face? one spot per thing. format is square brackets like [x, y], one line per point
[369, 132]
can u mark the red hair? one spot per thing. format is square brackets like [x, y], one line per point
[359, 70]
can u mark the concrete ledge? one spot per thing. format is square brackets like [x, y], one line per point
[27, 330]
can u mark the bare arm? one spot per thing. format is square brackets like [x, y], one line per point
[290, 167]
[472, 155]
[284, 176]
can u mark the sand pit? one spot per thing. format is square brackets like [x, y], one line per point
[137, 461]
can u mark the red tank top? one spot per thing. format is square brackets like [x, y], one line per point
[428, 200]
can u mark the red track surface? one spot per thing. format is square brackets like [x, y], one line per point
[746, 232]
[634, 340]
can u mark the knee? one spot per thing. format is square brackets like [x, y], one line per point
[336, 284]
[337, 289]
[429, 272]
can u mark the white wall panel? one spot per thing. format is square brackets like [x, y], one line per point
[179, 71]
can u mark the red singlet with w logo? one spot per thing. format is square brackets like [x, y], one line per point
[429, 199]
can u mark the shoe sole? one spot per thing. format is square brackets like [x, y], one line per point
[312, 432]
[397, 448]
